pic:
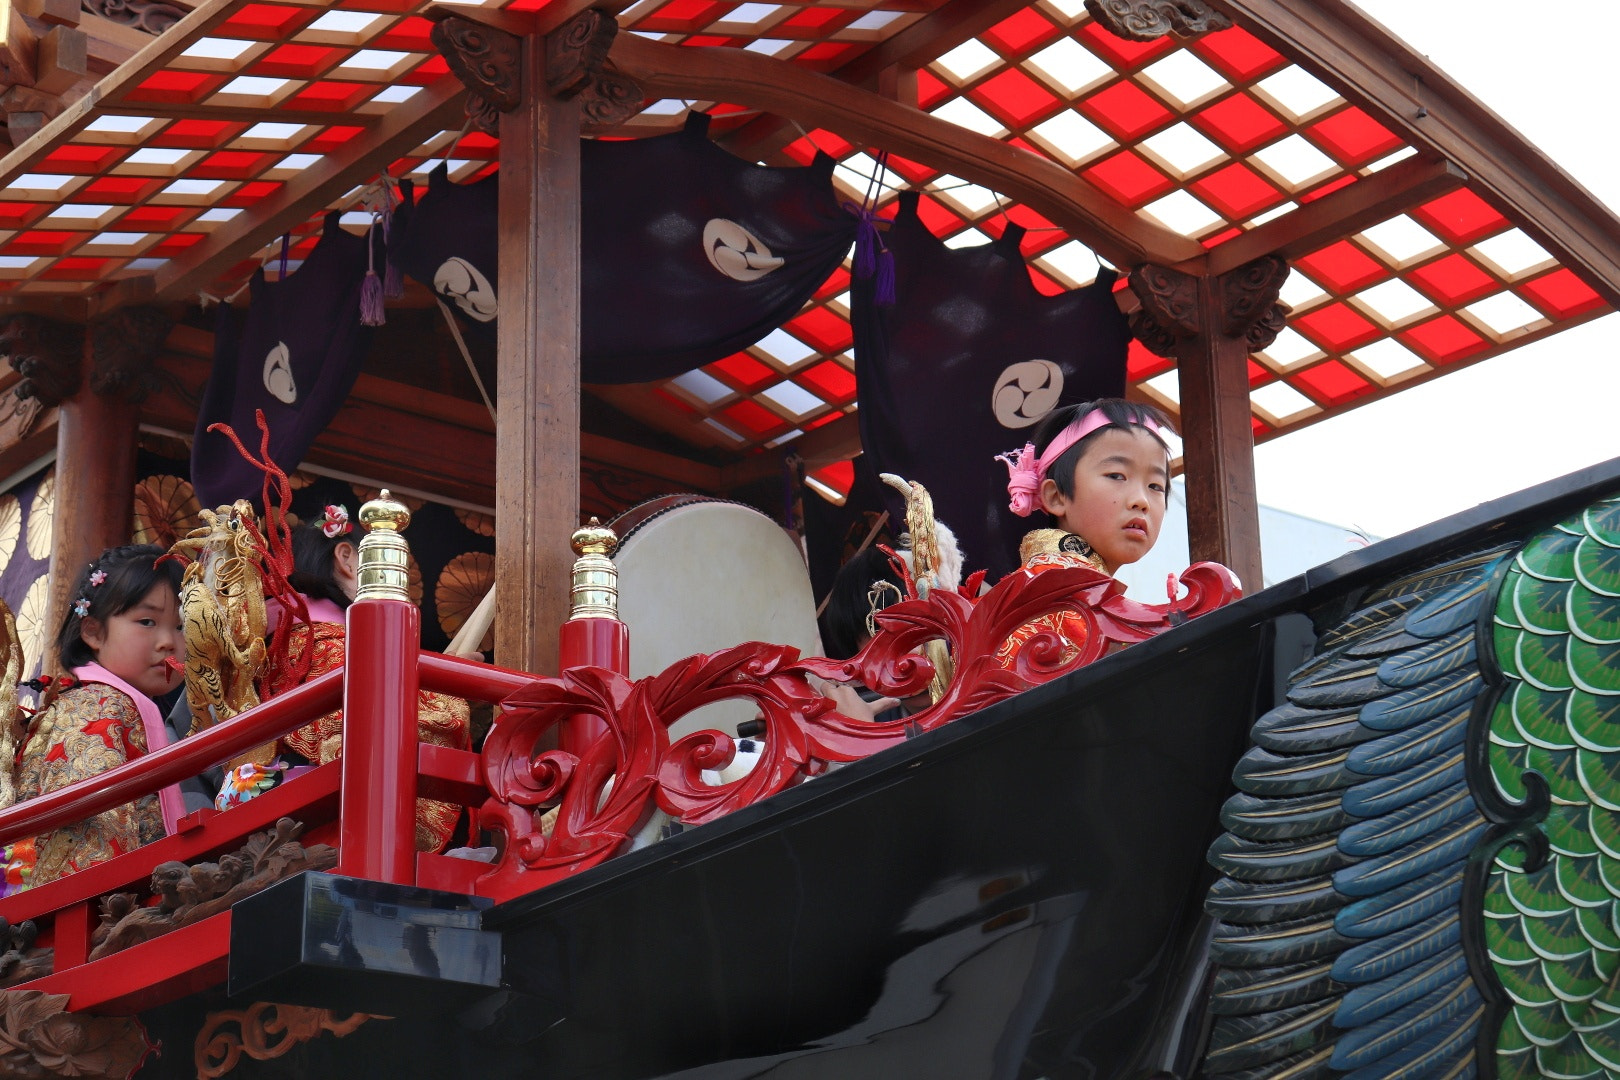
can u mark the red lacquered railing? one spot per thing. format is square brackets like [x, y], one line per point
[613, 766]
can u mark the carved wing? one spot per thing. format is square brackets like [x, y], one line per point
[1552, 894]
[1341, 907]
[222, 608]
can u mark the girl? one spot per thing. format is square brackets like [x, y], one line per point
[122, 644]
[326, 569]
[1101, 471]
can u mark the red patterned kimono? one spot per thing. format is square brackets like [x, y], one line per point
[1042, 550]
[440, 720]
[88, 730]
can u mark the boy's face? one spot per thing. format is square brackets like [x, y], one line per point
[1120, 485]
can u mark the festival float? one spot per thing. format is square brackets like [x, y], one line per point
[1359, 822]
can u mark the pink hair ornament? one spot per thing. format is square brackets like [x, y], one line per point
[1025, 470]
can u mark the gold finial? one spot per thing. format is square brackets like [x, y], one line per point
[595, 594]
[385, 512]
[594, 538]
[384, 555]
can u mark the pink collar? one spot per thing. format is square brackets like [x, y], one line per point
[1025, 471]
[322, 610]
[157, 735]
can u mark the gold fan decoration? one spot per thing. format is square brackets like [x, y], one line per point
[31, 628]
[165, 510]
[10, 530]
[462, 584]
[298, 479]
[480, 523]
[413, 578]
[40, 515]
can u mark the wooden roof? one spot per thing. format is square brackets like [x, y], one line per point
[1425, 235]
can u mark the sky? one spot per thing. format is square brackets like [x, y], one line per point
[1540, 411]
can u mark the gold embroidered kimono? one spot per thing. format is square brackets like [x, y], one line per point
[88, 730]
[1041, 550]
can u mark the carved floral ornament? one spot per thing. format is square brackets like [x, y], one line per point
[1148, 20]
[1170, 312]
[263, 1031]
[487, 60]
[606, 794]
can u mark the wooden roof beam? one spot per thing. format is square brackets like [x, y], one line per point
[1404, 91]
[1340, 213]
[402, 129]
[1067, 200]
[918, 44]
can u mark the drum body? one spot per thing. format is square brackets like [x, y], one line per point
[697, 575]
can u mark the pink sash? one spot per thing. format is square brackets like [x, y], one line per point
[157, 735]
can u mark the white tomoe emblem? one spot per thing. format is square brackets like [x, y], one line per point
[278, 374]
[736, 252]
[460, 281]
[1025, 391]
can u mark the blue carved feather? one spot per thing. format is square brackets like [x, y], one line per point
[1339, 943]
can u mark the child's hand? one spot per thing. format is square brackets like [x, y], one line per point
[847, 700]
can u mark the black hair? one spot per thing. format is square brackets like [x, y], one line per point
[1120, 413]
[315, 564]
[132, 572]
[843, 622]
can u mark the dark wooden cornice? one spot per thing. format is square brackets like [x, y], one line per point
[1404, 91]
[1174, 313]
[745, 78]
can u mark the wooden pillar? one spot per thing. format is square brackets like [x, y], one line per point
[537, 411]
[1223, 513]
[1210, 325]
[96, 437]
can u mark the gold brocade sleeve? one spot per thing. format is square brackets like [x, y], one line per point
[88, 730]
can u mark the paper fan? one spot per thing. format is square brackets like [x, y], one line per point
[480, 523]
[165, 510]
[31, 628]
[462, 584]
[40, 515]
[10, 528]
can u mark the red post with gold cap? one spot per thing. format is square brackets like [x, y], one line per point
[378, 829]
[593, 634]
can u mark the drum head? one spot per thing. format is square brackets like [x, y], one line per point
[699, 575]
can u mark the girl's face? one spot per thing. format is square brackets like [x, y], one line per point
[1120, 485]
[137, 644]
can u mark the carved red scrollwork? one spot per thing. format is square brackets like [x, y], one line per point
[603, 796]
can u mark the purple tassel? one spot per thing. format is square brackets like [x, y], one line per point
[371, 300]
[393, 282]
[883, 289]
[866, 246]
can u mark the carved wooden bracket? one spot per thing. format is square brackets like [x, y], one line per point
[488, 63]
[49, 355]
[1147, 20]
[263, 1030]
[486, 60]
[575, 55]
[576, 51]
[40, 1038]
[123, 351]
[152, 16]
[1170, 305]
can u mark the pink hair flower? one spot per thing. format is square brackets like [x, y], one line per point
[97, 577]
[335, 522]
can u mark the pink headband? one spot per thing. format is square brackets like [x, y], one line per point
[1025, 471]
